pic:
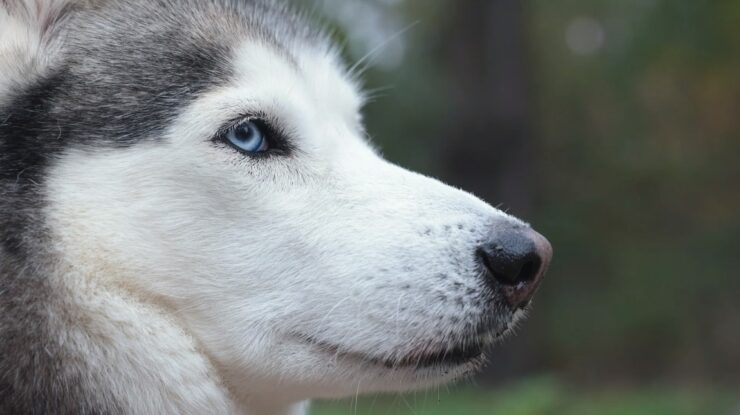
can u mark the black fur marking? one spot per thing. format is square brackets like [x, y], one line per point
[24, 153]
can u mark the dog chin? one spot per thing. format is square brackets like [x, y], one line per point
[422, 367]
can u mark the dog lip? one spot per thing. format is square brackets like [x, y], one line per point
[451, 357]
[448, 357]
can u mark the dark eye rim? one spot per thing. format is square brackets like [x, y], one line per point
[277, 141]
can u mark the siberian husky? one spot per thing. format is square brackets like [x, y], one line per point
[192, 221]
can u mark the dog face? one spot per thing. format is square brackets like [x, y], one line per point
[218, 166]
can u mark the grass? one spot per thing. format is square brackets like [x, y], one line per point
[542, 396]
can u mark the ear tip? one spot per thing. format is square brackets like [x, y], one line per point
[27, 30]
[38, 13]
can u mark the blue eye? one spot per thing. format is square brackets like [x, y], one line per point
[248, 136]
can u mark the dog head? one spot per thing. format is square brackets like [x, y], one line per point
[210, 156]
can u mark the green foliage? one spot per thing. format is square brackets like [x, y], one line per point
[542, 396]
[640, 185]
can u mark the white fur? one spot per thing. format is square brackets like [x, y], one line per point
[333, 243]
[203, 272]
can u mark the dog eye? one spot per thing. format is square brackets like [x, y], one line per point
[248, 136]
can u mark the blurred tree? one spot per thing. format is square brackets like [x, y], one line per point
[490, 150]
[489, 125]
[640, 191]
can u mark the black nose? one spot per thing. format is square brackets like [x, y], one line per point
[516, 260]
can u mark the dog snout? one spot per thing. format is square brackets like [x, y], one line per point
[515, 261]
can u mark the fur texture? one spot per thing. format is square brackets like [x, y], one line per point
[147, 267]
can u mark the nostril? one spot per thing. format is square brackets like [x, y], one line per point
[515, 264]
[508, 268]
[529, 270]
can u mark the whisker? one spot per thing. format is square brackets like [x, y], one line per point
[359, 67]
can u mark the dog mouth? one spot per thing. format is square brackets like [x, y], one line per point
[451, 357]
[465, 353]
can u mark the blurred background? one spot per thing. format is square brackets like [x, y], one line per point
[613, 127]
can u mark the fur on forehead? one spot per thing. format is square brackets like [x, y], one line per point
[32, 32]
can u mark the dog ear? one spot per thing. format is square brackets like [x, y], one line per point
[39, 17]
[28, 33]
